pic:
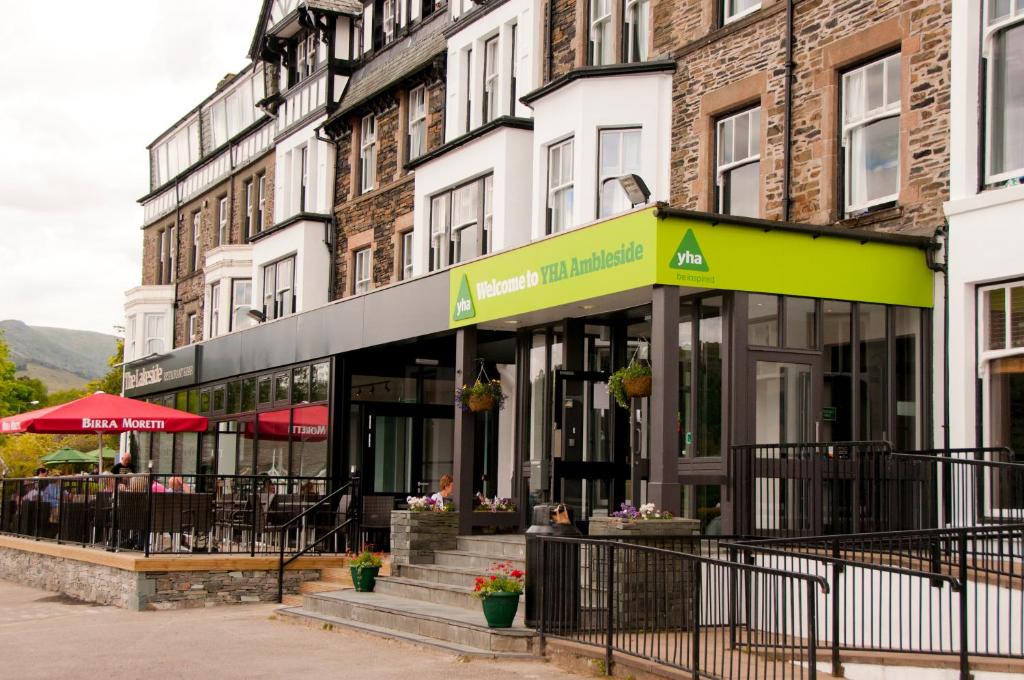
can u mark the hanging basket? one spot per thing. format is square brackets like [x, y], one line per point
[639, 386]
[479, 403]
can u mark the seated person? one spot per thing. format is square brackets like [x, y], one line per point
[177, 485]
[443, 497]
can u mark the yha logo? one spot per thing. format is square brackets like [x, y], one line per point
[688, 255]
[464, 308]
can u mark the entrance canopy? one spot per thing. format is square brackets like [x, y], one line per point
[664, 246]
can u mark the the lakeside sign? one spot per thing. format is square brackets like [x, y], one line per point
[176, 369]
[642, 249]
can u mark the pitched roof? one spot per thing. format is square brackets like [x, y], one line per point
[407, 56]
[351, 7]
[339, 6]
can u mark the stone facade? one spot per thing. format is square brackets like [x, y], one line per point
[416, 535]
[140, 590]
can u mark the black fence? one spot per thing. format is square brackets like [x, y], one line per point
[957, 592]
[159, 513]
[695, 613]
[817, 489]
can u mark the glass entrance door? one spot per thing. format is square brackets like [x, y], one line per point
[786, 400]
[406, 448]
[390, 448]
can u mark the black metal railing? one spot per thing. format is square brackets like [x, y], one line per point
[698, 614]
[956, 592]
[814, 489]
[165, 513]
[344, 504]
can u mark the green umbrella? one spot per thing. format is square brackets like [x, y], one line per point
[66, 456]
[108, 454]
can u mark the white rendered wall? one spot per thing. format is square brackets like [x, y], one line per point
[312, 263]
[507, 153]
[286, 177]
[578, 110]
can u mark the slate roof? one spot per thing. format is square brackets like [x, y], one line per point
[406, 56]
[339, 6]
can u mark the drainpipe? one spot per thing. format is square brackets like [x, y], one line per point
[331, 239]
[938, 261]
[550, 46]
[787, 122]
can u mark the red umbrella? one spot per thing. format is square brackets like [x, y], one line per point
[103, 414]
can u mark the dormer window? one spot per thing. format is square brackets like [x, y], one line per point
[304, 62]
[389, 21]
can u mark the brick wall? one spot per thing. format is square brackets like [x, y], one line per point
[743, 64]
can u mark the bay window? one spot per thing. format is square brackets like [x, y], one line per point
[560, 186]
[601, 32]
[738, 164]
[871, 133]
[278, 288]
[1004, 49]
[368, 153]
[241, 303]
[153, 325]
[460, 223]
[619, 154]
[1001, 353]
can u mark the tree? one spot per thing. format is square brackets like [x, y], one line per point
[111, 382]
[17, 394]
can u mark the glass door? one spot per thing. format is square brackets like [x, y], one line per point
[786, 400]
[390, 444]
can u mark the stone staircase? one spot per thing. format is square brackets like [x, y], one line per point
[429, 604]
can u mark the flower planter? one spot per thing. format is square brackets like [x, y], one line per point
[637, 387]
[619, 526]
[416, 535]
[500, 609]
[364, 578]
[479, 403]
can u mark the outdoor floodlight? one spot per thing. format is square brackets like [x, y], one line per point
[635, 188]
[257, 314]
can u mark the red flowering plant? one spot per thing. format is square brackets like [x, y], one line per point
[500, 578]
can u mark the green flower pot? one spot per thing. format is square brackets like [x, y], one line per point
[364, 578]
[500, 609]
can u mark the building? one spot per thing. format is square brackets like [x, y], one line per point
[985, 276]
[446, 205]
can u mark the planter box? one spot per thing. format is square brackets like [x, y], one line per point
[416, 535]
[617, 527]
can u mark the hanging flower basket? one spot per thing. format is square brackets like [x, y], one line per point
[482, 396]
[633, 380]
[478, 403]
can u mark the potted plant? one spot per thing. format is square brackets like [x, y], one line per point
[632, 380]
[499, 593]
[364, 568]
[646, 511]
[495, 505]
[428, 504]
[482, 395]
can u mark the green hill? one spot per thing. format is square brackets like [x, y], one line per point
[60, 357]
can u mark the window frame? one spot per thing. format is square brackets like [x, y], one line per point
[215, 309]
[362, 270]
[234, 302]
[196, 228]
[562, 187]
[223, 221]
[723, 169]
[303, 176]
[407, 249]
[149, 338]
[991, 30]
[261, 202]
[643, 15]
[389, 22]
[368, 153]
[277, 290]
[443, 232]
[602, 179]
[417, 121]
[247, 221]
[513, 66]
[728, 18]
[600, 54]
[867, 118]
[491, 80]
[190, 328]
[172, 243]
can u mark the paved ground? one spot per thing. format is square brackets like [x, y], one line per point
[43, 635]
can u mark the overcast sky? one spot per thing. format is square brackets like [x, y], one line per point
[84, 87]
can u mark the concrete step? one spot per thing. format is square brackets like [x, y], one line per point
[323, 586]
[301, 615]
[292, 600]
[399, 615]
[439, 573]
[437, 593]
[473, 561]
[512, 547]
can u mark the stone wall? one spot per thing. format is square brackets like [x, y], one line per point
[416, 535]
[136, 590]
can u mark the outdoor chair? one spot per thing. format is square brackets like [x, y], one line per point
[376, 521]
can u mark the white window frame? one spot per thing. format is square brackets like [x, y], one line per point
[558, 186]
[753, 155]
[162, 240]
[154, 337]
[261, 203]
[222, 221]
[439, 249]
[215, 309]
[490, 73]
[417, 122]
[236, 305]
[446, 233]
[247, 221]
[303, 177]
[362, 277]
[130, 338]
[172, 249]
[637, 13]
[191, 329]
[599, 33]
[634, 132]
[850, 127]
[467, 194]
[196, 225]
[279, 290]
[994, 26]
[368, 153]
[407, 253]
[388, 21]
[729, 17]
